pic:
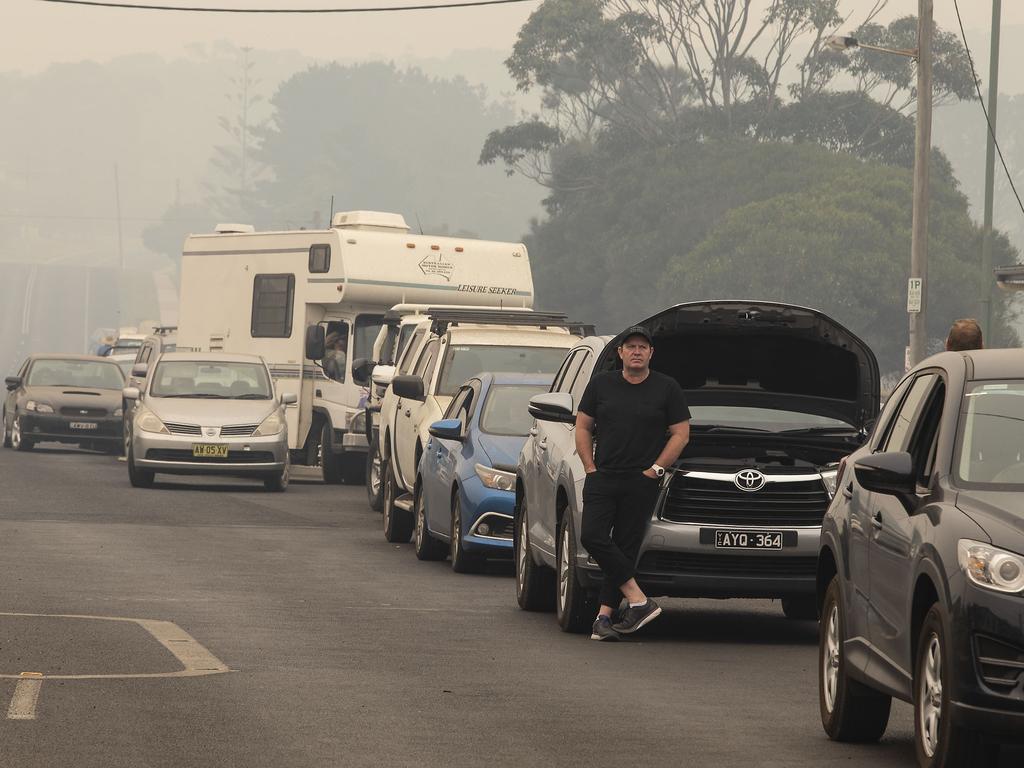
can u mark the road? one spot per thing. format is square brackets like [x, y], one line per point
[346, 651]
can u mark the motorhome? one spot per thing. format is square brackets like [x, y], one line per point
[312, 302]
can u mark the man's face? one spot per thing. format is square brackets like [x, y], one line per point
[635, 353]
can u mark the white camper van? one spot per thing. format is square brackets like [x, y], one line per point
[311, 303]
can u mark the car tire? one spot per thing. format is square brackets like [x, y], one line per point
[800, 608]
[938, 741]
[374, 478]
[535, 584]
[425, 545]
[278, 482]
[575, 607]
[462, 561]
[139, 478]
[6, 431]
[850, 711]
[398, 523]
[18, 441]
[332, 467]
[353, 468]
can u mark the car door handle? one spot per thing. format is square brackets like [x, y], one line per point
[876, 521]
[408, 412]
[533, 431]
[543, 445]
[848, 491]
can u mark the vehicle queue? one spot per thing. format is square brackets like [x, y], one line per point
[900, 528]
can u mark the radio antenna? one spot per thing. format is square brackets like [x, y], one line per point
[418, 224]
[330, 219]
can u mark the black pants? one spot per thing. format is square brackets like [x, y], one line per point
[616, 510]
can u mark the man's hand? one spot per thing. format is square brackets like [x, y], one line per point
[650, 473]
[590, 471]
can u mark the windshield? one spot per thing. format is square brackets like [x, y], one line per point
[367, 328]
[991, 445]
[218, 380]
[505, 410]
[403, 337]
[126, 366]
[762, 419]
[90, 374]
[126, 346]
[463, 362]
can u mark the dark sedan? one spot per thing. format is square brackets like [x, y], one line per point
[64, 399]
[921, 572]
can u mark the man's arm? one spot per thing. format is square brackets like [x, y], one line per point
[678, 437]
[585, 440]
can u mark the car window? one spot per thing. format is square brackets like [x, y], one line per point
[581, 379]
[563, 372]
[336, 348]
[75, 373]
[211, 380]
[456, 403]
[506, 409]
[425, 365]
[903, 425]
[926, 441]
[990, 451]
[409, 354]
[884, 421]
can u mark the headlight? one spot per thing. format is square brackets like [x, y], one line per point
[38, 407]
[272, 425]
[357, 423]
[496, 478]
[829, 478]
[991, 567]
[147, 421]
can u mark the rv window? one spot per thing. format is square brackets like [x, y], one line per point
[336, 353]
[320, 257]
[272, 299]
[367, 328]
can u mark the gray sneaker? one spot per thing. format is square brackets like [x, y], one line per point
[633, 619]
[603, 630]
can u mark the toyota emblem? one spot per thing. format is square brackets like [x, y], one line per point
[211, 431]
[749, 480]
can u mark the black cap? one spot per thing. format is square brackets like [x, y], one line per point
[636, 330]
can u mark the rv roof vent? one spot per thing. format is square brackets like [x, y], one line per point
[233, 229]
[374, 221]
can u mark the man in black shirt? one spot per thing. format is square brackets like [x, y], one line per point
[632, 411]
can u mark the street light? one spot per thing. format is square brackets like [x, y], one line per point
[917, 286]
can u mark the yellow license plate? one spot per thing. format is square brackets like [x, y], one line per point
[210, 450]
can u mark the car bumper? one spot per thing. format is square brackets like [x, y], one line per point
[487, 507]
[57, 428]
[172, 454]
[349, 442]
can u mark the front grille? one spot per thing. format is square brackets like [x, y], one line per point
[500, 526]
[182, 429]
[91, 412]
[233, 457]
[1000, 665]
[238, 430]
[708, 502]
[726, 565]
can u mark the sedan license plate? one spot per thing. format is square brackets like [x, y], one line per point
[748, 539]
[83, 425]
[210, 450]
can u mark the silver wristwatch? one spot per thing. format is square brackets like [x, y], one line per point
[658, 471]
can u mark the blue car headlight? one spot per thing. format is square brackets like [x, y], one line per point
[497, 479]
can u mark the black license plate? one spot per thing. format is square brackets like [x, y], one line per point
[734, 538]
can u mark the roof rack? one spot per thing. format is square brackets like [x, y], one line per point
[442, 318]
[163, 330]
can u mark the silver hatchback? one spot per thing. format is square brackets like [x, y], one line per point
[208, 414]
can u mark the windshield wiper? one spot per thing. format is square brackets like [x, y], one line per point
[820, 431]
[203, 395]
[251, 396]
[729, 429]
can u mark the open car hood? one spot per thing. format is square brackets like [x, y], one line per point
[765, 355]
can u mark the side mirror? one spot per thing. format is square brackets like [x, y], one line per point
[289, 398]
[889, 473]
[447, 429]
[315, 342]
[130, 393]
[362, 369]
[410, 387]
[553, 406]
[382, 375]
[139, 370]
[12, 382]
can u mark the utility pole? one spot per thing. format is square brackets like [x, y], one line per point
[121, 290]
[985, 311]
[917, 310]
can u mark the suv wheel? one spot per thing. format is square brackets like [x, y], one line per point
[397, 522]
[373, 477]
[939, 742]
[7, 432]
[462, 561]
[800, 608]
[425, 545]
[534, 583]
[18, 441]
[575, 608]
[850, 711]
[332, 468]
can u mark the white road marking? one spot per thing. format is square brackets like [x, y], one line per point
[26, 696]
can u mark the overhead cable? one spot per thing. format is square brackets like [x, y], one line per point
[357, 9]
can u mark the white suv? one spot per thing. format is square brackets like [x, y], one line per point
[446, 349]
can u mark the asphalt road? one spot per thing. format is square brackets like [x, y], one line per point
[346, 651]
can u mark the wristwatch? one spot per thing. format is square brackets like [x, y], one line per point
[658, 471]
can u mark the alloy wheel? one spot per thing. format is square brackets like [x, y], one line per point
[563, 569]
[521, 554]
[456, 531]
[931, 696]
[374, 479]
[830, 661]
[16, 433]
[420, 521]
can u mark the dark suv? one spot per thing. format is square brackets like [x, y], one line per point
[921, 570]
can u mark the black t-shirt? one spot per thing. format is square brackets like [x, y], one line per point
[631, 420]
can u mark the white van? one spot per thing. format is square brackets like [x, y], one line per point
[285, 295]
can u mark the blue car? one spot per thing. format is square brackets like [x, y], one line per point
[466, 485]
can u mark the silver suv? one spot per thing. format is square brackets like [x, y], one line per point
[778, 395]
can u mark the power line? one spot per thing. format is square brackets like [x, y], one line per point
[991, 128]
[362, 9]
